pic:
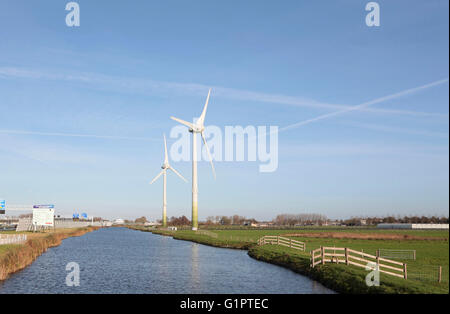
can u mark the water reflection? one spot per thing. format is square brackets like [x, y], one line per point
[195, 276]
[164, 252]
[119, 260]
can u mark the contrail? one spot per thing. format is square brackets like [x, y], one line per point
[383, 128]
[79, 135]
[363, 105]
[150, 87]
[291, 126]
[357, 107]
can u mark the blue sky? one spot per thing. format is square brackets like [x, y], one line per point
[118, 77]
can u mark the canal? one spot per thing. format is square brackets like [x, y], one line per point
[120, 260]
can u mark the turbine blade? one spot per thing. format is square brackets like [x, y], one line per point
[156, 178]
[178, 174]
[188, 124]
[201, 120]
[209, 154]
[166, 157]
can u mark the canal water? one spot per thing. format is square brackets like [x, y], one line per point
[120, 260]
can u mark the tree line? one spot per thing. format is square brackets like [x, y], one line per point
[300, 219]
[228, 220]
[392, 219]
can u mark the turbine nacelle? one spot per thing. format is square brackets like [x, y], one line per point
[197, 128]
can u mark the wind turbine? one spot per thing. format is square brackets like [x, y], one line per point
[197, 127]
[166, 166]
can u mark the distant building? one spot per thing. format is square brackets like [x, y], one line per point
[263, 224]
[151, 223]
[118, 221]
[412, 226]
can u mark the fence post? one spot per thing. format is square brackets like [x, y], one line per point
[346, 256]
[323, 255]
[378, 254]
[414, 254]
[278, 240]
[440, 274]
[405, 273]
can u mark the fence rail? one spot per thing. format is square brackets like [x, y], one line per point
[283, 241]
[12, 238]
[348, 256]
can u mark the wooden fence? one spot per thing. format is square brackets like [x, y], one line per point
[12, 238]
[277, 240]
[348, 256]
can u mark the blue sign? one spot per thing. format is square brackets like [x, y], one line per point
[2, 204]
[84, 215]
[43, 206]
[76, 216]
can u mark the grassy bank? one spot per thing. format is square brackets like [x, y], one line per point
[432, 249]
[192, 236]
[342, 278]
[15, 257]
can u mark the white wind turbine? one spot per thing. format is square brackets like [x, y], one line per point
[165, 167]
[197, 127]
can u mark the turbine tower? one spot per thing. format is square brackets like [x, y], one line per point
[166, 166]
[197, 127]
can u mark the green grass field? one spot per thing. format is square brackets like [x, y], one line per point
[431, 253]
